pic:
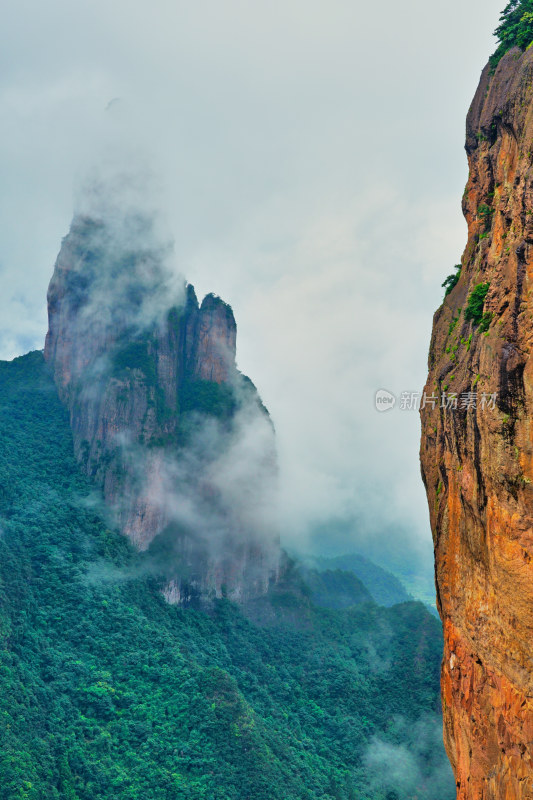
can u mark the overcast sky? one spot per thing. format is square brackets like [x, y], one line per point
[308, 158]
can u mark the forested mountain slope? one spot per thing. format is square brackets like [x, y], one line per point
[107, 691]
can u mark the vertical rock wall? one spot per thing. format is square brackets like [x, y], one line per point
[477, 451]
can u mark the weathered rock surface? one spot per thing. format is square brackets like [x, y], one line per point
[477, 459]
[158, 410]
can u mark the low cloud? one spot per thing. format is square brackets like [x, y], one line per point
[415, 769]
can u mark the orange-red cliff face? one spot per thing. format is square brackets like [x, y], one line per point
[161, 418]
[477, 462]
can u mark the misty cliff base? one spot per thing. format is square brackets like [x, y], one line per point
[107, 691]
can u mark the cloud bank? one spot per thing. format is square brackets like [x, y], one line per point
[309, 159]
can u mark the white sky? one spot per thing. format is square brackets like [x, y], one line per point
[309, 159]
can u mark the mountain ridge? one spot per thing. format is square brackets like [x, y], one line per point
[384, 587]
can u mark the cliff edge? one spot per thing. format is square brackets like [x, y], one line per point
[477, 450]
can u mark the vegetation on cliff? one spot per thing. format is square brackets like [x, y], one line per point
[452, 280]
[475, 308]
[108, 692]
[136, 355]
[515, 28]
[208, 397]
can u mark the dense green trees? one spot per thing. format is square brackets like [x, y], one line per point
[107, 692]
[515, 28]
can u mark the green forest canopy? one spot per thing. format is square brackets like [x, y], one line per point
[515, 28]
[109, 693]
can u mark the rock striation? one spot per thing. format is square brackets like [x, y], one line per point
[162, 420]
[477, 450]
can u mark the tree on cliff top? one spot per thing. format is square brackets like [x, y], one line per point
[515, 28]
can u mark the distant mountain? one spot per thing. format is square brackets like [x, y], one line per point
[335, 588]
[383, 586]
[394, 548]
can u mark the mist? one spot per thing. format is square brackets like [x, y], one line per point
[308, 162]
[215, 497]
[175, 436]
[418, 767]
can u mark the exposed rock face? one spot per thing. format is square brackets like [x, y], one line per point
[477, 462]
[160, 413]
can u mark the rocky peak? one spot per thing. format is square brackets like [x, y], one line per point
[159, 410]
[212, 338]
